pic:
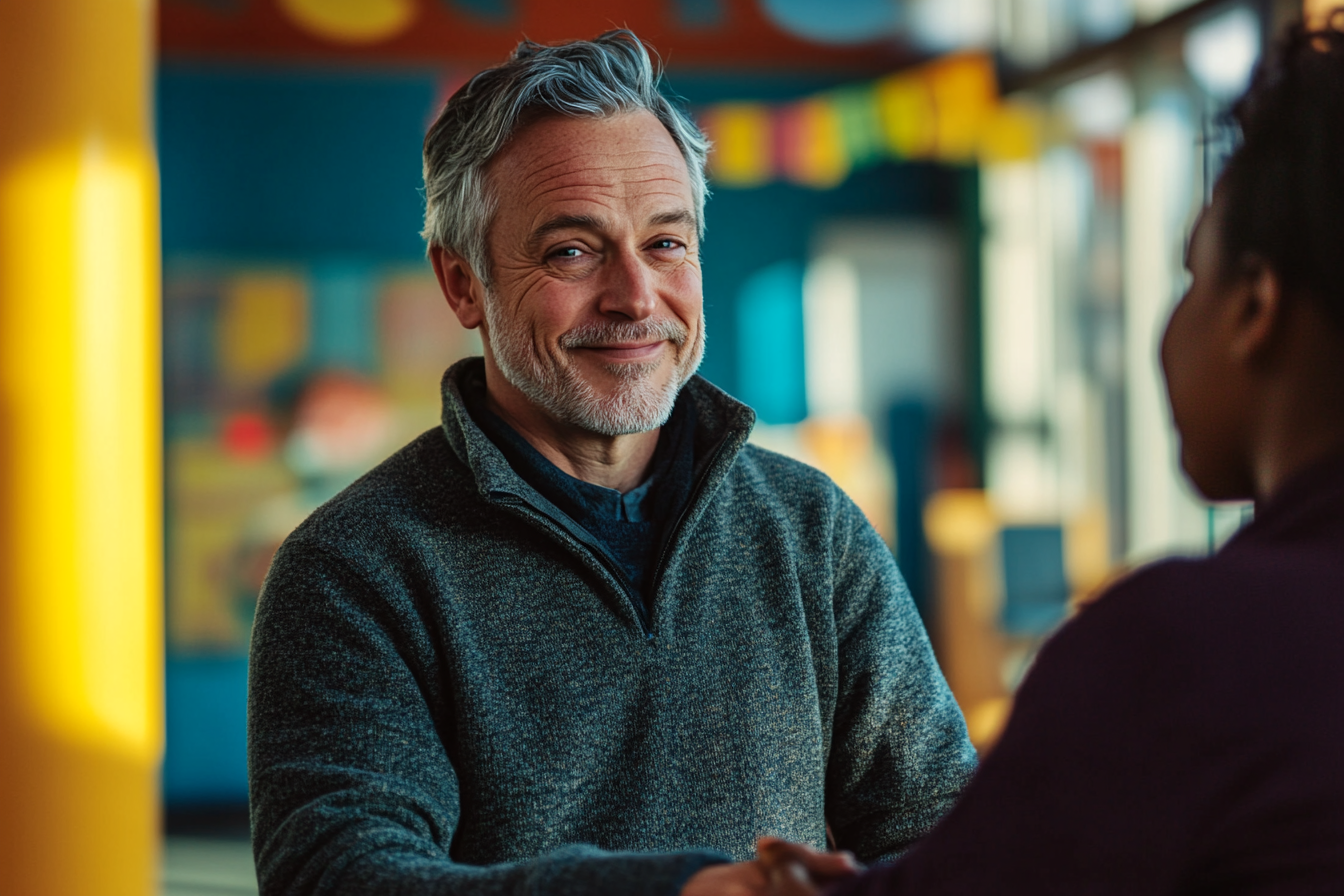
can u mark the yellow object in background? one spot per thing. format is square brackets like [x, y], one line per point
[947, 110]
[742, 155]
[352, 21]
[80, 528]
[965, 93]
[1012, 133]
[963, 529]
[905, 105]
[263, 326]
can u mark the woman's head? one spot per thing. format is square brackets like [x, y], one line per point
[1283, 188]
[1253, 348]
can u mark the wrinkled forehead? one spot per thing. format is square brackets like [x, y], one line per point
[619, 158]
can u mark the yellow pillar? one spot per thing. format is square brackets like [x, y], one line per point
[80, 620]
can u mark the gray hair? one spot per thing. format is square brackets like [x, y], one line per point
[597, 78]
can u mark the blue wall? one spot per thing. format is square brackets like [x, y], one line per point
[292, 164]
[205, 701]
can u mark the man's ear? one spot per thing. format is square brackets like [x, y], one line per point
[460, 285]
[1258, 309]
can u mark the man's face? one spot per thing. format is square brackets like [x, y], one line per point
[595, 312]
[1203, 384]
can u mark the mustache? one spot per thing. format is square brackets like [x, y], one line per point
[602, 333]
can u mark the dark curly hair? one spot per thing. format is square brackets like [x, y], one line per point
[1283, 186]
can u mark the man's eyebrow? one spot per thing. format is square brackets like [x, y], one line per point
[682, 216]
[679, 216]
[563, 222]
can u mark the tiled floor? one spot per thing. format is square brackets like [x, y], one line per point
[197, 866]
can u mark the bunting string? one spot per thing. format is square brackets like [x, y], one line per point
[947, 111]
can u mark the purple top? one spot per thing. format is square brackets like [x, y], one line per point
[1183, 734]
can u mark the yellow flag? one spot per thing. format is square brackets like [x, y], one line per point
[905, 111]
[964, 96]
[741, 134]
[1012, 133]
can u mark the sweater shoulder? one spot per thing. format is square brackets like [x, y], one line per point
[785, 474]
[418, 486]
[802, 498]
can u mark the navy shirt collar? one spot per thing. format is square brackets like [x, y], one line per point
[655, 500]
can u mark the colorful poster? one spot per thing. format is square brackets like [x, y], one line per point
[284, 383]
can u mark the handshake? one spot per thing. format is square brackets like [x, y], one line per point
[781, 868]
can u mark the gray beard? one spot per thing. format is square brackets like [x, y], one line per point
[556, 386]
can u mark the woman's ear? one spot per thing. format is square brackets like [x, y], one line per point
[1258, 309]
[460, 285]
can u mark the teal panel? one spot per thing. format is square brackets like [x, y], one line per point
[770, 343]
[344, 310]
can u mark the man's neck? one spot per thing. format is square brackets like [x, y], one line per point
[616, 462]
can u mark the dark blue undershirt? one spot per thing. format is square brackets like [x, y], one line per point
[630, 527]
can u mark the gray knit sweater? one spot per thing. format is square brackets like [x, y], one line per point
[452, 693]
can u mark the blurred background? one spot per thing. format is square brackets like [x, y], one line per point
[943, 241]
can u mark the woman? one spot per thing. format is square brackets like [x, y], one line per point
[1185, 732]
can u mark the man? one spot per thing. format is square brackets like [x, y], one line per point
[1185, 733]
[582, 638]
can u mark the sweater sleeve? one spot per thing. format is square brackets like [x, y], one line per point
[900, 753]
[353, 790]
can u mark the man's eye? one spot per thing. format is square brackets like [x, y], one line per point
[667, 244]
[567, 252]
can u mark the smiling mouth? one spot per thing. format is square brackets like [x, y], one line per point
[625, 351]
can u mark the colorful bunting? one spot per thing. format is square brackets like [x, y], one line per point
[946, 111]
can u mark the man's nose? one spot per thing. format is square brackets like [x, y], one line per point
[630, 287]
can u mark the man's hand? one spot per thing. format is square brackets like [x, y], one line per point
[781, 868]
[793, 869]
[738, 879]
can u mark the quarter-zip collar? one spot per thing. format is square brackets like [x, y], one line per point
[722, 427]
[633, 544]
[719, 417]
